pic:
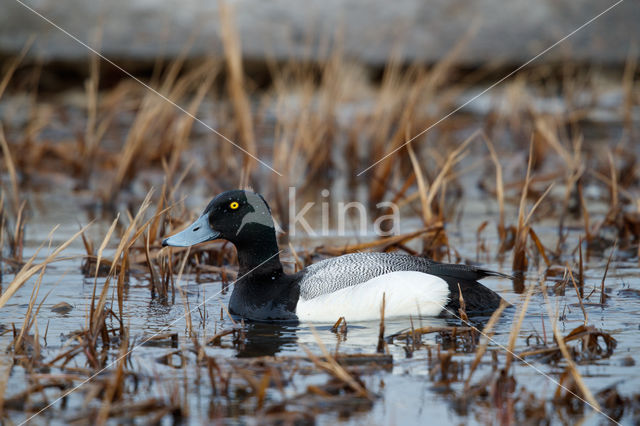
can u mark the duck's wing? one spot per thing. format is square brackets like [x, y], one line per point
[337, 273]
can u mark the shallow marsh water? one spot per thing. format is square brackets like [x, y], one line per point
[407, 392]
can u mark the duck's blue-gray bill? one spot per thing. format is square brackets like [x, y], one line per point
[198, 232]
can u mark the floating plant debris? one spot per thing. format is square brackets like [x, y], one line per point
[101, 324]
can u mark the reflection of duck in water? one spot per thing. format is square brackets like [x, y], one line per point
[273, 338]
[266, 339]
[351, 285]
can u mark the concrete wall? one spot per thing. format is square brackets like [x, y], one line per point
[511, 31]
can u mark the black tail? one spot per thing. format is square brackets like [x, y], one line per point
[478, 299]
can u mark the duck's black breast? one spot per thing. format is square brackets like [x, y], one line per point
[334, 274]
[271, 297]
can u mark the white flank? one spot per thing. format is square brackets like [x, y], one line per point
[406, 293]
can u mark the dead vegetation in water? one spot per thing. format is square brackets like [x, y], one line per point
[540, 167]
[593, 345]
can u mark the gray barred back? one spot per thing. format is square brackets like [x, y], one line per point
[336, 273]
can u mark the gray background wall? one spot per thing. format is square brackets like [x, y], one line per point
[510, 31]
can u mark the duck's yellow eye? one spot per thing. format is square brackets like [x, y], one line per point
[234, 205]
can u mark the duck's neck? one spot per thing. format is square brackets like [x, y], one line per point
[259, 256]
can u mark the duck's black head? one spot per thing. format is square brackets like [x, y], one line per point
[241, 217]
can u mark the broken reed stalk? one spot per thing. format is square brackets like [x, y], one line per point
[262, 389]
[462, 310]
[537, 203]
[575, 166]
[6, 365]
[103, 245]
[92, 308]
[487, 332]
[585, 211]
[519, 255]
[29, 269]
[333, 367]
[185, 122]
[515, 329]
[547, 127]
[384, 146]
[628, 84]
[258, 387]
[387, 241]
[175, 186]
[567, 356]
[14, 65]
[27, 322]
[31, 320]
[422, 187]
[575, 286]
[92, 135]
[340, 329]
[120, 289]
[17, 239]
[130, 235]
[154, 229]
[88, 246]
[452, 159]
[573, 183]
[625, 193]
[381, 344]
[158, 223]
[580, 269]
[303, 131]
[398, 107]
[156, 120]
[520, 261]
[11, 169]
[185, 298]
[539, 246]
[335, 326]
[615, 207]
[481, 242]
[239, 99]
[603, 296]
[502, 233]
[115, 384]
[296, 258]
[152, 272]
[415, 333]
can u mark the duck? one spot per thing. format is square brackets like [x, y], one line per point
[350, 286]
